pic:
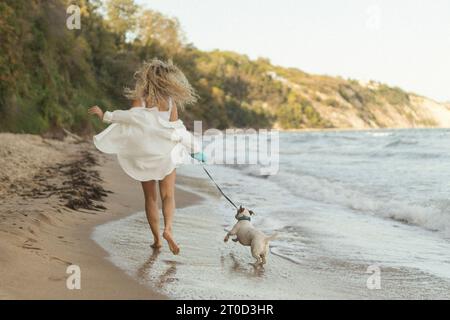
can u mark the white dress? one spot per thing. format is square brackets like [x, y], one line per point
[148, 146]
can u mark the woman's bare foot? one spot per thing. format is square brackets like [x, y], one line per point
[172, 244]
[156, 245]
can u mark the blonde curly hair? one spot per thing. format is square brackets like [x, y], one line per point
[157, 81]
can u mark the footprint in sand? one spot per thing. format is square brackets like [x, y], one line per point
[54, 278]
[30, 244]
[67, 263]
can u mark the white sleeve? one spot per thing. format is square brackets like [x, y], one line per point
[118, 116]
[107, 117]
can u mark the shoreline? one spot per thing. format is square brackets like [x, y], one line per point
[360, 129]
[308, 130]
[40, 236]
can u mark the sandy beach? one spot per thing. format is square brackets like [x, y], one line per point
[40, 236]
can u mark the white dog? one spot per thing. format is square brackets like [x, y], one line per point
[247, 235]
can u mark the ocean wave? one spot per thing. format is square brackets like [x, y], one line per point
[379, 134]
[406, 155]
[400, 142]
[436, 218]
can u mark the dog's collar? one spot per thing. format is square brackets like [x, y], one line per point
[244, 218]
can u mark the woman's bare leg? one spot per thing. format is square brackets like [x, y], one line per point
[167, 192]
[151, 209]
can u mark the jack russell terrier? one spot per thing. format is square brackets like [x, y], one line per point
[247, 235]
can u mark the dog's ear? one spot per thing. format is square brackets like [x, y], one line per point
[251, 212]
[240, 209]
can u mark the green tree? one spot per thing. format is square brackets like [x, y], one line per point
[154, 27]
[122, 17]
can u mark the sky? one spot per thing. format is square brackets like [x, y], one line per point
[403, 43]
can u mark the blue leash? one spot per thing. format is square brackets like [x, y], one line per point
[218, 188]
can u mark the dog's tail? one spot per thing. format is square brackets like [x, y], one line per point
[271, 237]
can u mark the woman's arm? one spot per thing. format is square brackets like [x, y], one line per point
[122, 116]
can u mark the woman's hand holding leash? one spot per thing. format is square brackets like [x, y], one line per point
[199, 156]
